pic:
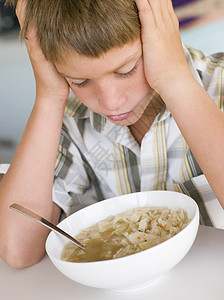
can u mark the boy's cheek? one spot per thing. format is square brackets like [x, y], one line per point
[81, 93]
[87, 97]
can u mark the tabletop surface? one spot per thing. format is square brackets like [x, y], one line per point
[200, 275]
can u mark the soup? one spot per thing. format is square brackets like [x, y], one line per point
[126, 233]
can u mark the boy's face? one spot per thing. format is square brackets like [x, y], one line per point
[113, 86]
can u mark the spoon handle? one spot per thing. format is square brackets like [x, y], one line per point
[28, 213]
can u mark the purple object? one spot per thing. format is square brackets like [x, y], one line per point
[181, 2]
[178, 3]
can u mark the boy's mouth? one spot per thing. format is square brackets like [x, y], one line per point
[120, 117]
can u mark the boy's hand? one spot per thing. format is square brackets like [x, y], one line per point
[49, 84]
[164, 59]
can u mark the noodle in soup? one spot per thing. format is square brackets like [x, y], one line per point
[126, 233]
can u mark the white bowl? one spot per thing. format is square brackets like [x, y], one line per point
[134, 271]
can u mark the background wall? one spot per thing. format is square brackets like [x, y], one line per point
[17, 92]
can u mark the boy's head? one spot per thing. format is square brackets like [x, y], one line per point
[90, 27]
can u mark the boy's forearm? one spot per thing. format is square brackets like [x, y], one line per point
[202, 125]
[30, 177]
[29, 182]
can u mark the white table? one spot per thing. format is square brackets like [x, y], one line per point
[199, 276]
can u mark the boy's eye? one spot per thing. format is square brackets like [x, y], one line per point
[79, 84]
[129, 73]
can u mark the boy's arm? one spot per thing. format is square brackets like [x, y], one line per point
[167, 71]
[29, 179]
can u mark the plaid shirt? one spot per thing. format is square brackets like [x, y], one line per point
[98, 159]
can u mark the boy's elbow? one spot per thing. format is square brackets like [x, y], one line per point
[19, 259]
[18, 263]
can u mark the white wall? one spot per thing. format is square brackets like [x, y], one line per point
[206, 37]
[17, 92]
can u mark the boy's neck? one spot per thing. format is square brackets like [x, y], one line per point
[141, 127]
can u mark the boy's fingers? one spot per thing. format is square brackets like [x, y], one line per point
[30, 34]
[145, 13]
[20, 11]
[157, 7]
[160, 11]
[160, 6]
[163, 12]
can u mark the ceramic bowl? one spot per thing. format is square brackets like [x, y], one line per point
[135, 271]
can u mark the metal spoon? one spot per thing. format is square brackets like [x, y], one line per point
[28, 213]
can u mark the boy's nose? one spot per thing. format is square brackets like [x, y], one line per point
[110, 98]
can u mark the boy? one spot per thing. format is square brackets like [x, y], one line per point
[136, 90]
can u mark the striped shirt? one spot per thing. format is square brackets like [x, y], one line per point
[98, 159]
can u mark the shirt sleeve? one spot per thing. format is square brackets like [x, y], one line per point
[3, 169]
[73, 188]
[210, 69]
[211, 211]
[210, 202]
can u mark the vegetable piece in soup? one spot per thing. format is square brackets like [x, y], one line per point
[126, 233]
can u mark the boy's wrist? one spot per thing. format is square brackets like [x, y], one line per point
[50, 104]
[172, 84]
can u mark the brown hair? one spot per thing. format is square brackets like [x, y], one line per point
[90, 27]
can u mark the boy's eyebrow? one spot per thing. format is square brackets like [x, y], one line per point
[126, 61]
[70, 77]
